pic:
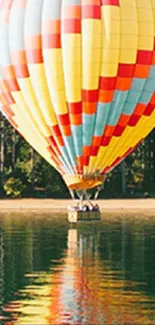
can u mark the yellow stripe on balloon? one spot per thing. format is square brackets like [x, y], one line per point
[91, 52]
[145, 24]
[22, 110]
[110, 41]
[56, 85]
[153, 13]
[71, 52]
[129, 32]
[38, 78]
[27, 91]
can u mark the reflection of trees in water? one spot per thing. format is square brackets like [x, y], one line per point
[28, 246]
[130, 248]
[99, 277]
[1, 270]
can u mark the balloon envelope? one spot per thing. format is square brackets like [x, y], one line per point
[78, 80]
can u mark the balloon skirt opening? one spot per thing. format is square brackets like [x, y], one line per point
[83, 182]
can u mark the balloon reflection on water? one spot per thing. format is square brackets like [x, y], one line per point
[81, 289]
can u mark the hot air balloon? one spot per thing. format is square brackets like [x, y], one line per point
[78, 81]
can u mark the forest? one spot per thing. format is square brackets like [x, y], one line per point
[23, 173]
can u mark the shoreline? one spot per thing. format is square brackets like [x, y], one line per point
[142, 207]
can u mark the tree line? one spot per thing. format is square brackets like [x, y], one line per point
[23, 173]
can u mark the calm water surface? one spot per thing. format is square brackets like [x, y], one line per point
[52, 273]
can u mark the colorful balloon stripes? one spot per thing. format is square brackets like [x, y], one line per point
[78, 79]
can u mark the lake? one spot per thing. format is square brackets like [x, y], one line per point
[99, 273]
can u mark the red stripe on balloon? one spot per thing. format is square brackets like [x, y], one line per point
[75, 108]
[117, 160]
[91, 12]
[71, 26]
[86, 160]
[107, 83]
[34, 56]
[90, 99]
[7, 4]
[96, 140]
[134, 120]
[12, 84]
[21, 71]
[19, 64]
[144, 57]
[153, 58]
[56, 130]
[105, 141]
[75, 111]
[110, 3]
[52, 41]
[55, 158]
[8, 97]
[131, 149]
[149, 109]
[80, 160]
[122, 123]
[3, 100]
[90, 96]
[64, 119]
[7, 110]
[53, 143]
[79, 164]
[126, 70]
[57, 133]
[119, 130]
[94, 150]
[86, 155]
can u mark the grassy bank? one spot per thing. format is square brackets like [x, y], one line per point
[112, 207]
